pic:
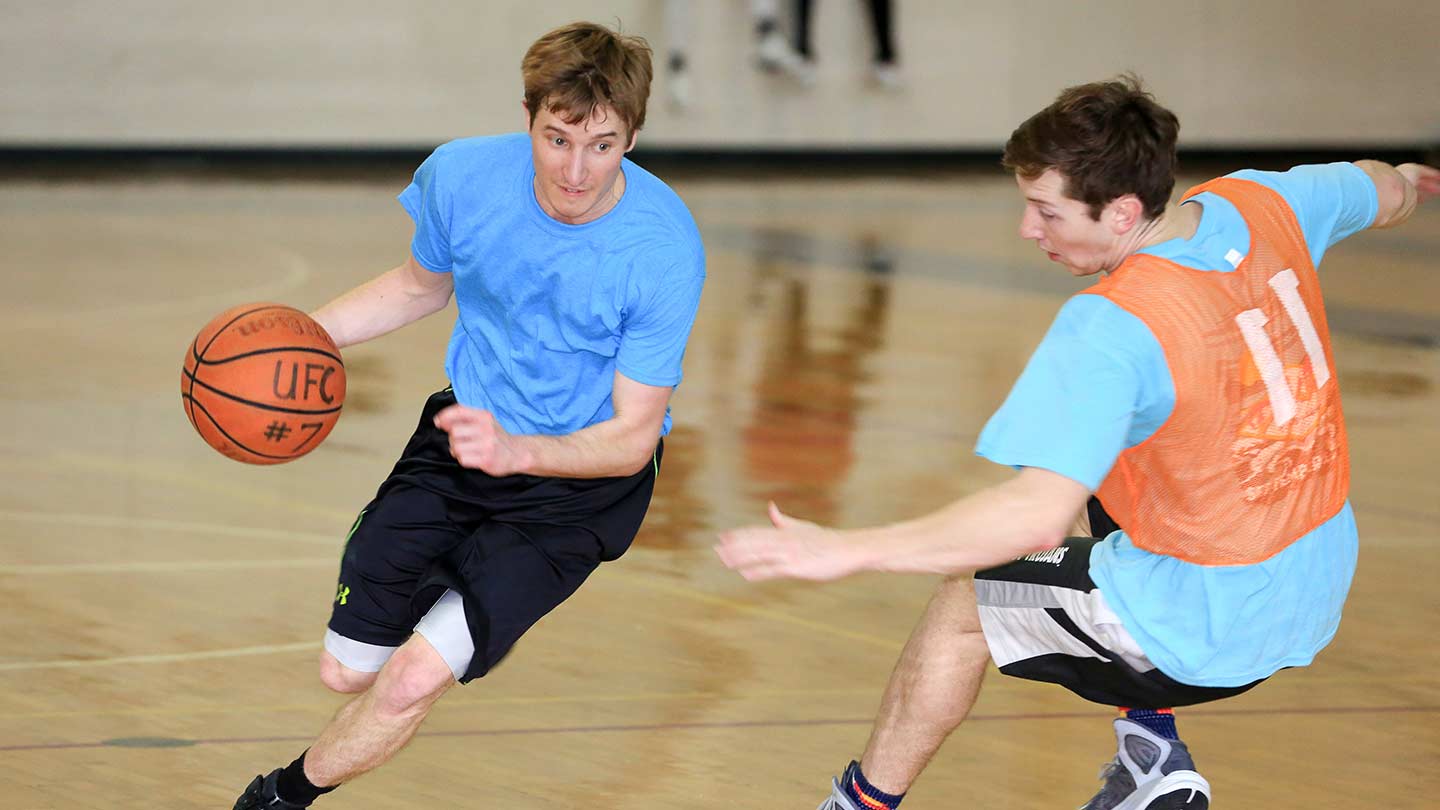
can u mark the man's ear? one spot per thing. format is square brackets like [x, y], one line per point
[1123, 213]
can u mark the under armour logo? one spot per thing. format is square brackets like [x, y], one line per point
[342, 594]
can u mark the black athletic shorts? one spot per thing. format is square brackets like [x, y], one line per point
[513, 548]
[1045, 620]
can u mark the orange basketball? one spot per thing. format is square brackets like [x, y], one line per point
[263, 383]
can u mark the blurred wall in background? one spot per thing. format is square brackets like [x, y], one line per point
[362, 74]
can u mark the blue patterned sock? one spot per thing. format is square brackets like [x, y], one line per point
[1160, 721]
[865, 795]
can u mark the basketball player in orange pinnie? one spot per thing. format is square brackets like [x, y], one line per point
[577, 276]
[1186, 407]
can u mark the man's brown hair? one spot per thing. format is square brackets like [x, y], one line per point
[1107, 139]
[581, 66]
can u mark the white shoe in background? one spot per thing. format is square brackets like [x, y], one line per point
[886, 75]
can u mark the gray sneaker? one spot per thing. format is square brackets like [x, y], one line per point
[838, 800]
[1149, 772]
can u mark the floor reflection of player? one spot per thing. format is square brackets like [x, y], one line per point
[807, 397]
[680, 510]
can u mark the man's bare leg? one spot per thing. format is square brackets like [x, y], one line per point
[932, 689]
[369, 730]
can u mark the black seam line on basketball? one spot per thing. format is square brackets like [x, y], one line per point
[190, 395]
[232, 439]
[1059, 616]
[254, 404]
[200, 354]
[218, 332]
[270, 350]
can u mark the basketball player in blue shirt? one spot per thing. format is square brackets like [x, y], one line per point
[1193, 390]
[577, 275]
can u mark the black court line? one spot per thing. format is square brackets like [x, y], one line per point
[742, 724]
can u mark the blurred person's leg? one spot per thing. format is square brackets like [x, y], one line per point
[677, 52]
[885, 69]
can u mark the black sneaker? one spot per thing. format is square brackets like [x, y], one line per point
[1149, 772]
[260, 795]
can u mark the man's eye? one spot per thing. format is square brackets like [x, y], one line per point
[558, 141]
[603, 147]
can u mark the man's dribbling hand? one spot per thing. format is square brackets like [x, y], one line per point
[477, 441]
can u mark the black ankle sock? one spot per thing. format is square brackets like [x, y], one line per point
[293, 786]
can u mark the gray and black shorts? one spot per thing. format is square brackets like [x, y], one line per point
[1045, 620]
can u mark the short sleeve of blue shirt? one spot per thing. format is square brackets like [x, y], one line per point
[428, 202]
[666, 296]
[1331, 201]
[1098, 383]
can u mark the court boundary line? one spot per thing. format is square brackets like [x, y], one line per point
[745, 724]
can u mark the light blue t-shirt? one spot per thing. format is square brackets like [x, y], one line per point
[1099, 384]
[549, 312]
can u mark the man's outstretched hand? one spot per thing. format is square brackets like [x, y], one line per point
[1425, 179]
[788, 549]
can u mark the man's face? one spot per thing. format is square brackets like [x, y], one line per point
[577, 165]
[1062, 226]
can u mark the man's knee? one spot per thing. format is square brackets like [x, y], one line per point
[955, 600]
[339, 678]
[413, 679]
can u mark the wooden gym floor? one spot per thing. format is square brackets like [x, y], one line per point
[162, 606]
